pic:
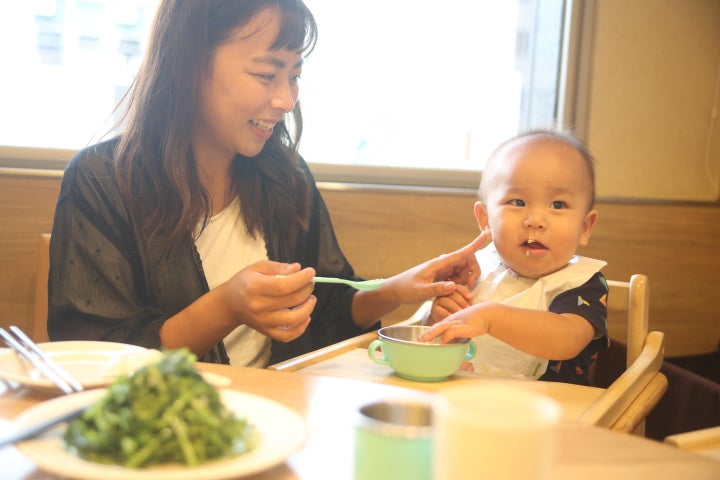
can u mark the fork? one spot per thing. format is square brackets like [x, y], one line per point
[24, 346]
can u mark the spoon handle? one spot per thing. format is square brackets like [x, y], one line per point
[360, 285]
[332, 280]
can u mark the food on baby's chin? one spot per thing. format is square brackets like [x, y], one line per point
[163, 413]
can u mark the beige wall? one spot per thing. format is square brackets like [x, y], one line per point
[27, 203]
[654, 75]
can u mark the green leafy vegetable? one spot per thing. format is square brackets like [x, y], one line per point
[162, 413]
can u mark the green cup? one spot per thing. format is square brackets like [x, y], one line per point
[427, 362]
[393, 440]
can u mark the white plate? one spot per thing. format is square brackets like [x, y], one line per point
[281, 431]
[86, 361]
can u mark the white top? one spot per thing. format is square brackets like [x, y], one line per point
[500, 284]
[225, 248]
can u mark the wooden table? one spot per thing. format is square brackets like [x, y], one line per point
[329, 405]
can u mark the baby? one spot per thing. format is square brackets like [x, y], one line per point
[538, 310]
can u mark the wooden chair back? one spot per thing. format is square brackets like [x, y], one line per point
[39, 328]
[629, 399]
[628, 310]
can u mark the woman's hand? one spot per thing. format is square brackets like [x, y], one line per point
[435, 278]
[439, 276]
[276, 306]
[273, 298]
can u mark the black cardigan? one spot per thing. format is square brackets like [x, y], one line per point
[107, 283]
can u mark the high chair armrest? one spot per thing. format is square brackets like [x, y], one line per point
[633, 418]
[360, 341]
[618, 397]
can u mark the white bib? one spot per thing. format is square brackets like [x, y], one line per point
[500, 284]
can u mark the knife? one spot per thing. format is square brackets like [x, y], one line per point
[35, 429]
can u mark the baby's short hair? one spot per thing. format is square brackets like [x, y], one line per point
[550, 135]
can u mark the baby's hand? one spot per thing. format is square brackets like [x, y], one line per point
[435, 331]
[443, 306]
[466, 323]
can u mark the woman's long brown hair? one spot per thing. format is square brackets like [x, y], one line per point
[154, 159]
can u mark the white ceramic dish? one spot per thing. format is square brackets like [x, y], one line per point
[281, 431]
[86, 361]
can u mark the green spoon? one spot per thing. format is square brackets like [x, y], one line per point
[363, 285]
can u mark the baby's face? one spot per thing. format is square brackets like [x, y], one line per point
[536, 205]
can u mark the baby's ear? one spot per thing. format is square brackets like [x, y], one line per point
[587, 226]
[481, 216]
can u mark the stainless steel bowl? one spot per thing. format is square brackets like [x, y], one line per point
[410, 334]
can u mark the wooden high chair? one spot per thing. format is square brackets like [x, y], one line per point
[623, 406]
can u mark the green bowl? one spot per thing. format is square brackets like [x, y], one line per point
[422, 361]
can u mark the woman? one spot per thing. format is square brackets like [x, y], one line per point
[199, 225]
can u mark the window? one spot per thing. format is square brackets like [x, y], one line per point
[413, 84]
[67, 63]
[427, 86]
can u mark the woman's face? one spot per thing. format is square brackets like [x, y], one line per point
[537, 206]
[247, 91]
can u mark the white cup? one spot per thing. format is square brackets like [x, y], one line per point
[493, 431]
